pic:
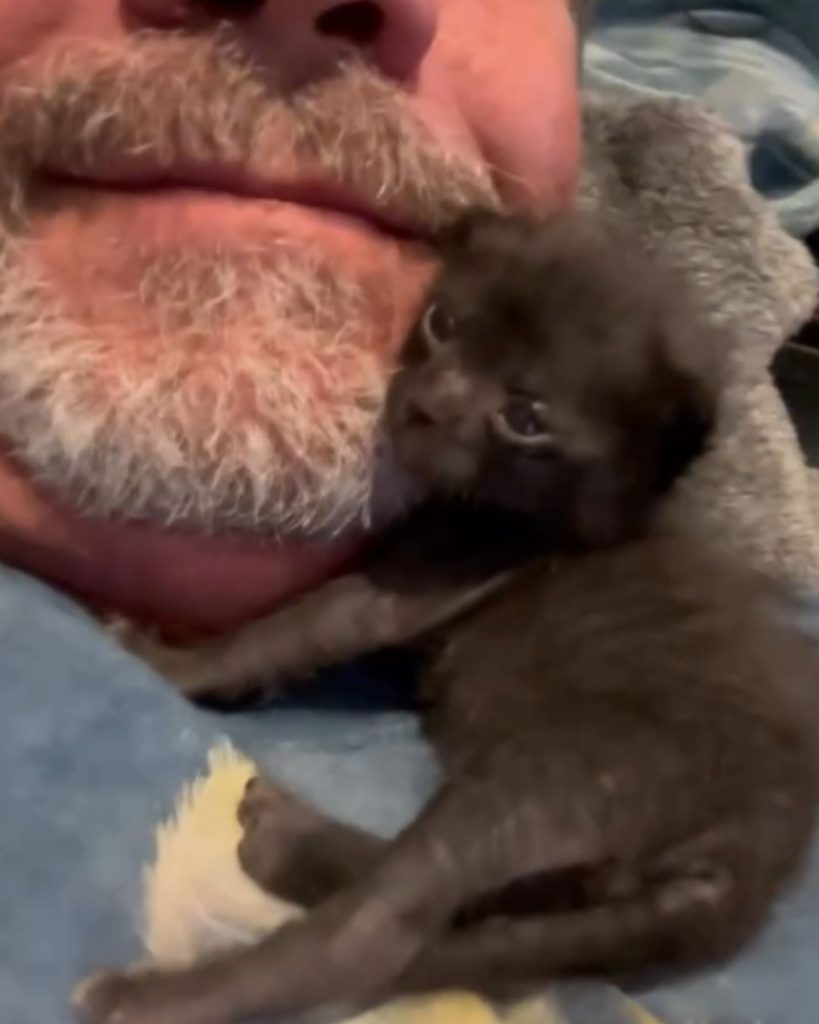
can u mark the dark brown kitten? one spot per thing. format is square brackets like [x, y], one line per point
[627, 722]
[556, 374]
[554, 387]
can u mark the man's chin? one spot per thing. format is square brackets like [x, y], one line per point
[178, 581]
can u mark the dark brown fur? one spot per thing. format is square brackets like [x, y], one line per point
[626, 721]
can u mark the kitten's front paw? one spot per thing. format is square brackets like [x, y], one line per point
[275, 850]
[198, 672]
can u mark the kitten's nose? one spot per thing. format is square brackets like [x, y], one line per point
[442, 400]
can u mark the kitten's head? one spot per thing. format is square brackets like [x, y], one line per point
[555, 371]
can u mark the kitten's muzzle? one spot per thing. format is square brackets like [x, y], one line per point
[442, 400]
[437, 424]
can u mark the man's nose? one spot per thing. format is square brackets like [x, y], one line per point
[304, 39]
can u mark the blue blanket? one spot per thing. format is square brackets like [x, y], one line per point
[95, 752]
[754, 62]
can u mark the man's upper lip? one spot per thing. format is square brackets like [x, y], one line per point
[310, 191]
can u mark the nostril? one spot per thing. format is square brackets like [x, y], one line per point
[230, 9]
[360, 22]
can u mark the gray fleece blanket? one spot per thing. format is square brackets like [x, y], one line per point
[72, 852]
[679, 177]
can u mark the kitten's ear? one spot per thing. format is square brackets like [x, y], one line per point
[619, 494]
[683, 426]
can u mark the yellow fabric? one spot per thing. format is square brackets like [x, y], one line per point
[197, 899]
[641, 1016]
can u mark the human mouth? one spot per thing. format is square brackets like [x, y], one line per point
[121, 216]
[308, 191]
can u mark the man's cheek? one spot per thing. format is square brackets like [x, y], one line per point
[514, 69]
[26, 27]
[30, 27]
[530, 135]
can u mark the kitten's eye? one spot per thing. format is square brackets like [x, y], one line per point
[438, 325]
[524, 421]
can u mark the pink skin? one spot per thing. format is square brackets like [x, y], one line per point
[495, 77]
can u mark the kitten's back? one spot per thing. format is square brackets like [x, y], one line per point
[664, 638]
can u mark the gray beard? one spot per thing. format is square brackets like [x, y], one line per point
[256, 409]
[217, 430]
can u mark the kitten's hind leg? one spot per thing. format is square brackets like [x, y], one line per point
[678, 923]
[482, 831]
[572, 792]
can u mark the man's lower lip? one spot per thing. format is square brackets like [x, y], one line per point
[293, 197]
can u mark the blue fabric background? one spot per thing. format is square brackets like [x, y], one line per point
[755, 62]
[94, 753]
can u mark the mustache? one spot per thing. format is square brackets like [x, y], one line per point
[163, 102]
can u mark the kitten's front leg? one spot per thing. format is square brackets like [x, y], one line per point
[258, 661]
[203, 672]
[347, 618]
